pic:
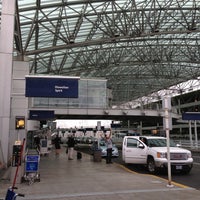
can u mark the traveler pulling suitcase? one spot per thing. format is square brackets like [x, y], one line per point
[79, 155]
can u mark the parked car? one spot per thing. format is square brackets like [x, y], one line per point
[152, 152]
[101, 145]
[87, 140]
[77, 140]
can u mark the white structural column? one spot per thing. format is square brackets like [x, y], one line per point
[167, 121]
[6, 62]
[190, 133]
[195, 134]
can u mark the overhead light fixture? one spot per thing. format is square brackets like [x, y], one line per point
[155, 30]
[106, 112]
[117, 34]
[125, 112]
[193, 28]
[71, 39]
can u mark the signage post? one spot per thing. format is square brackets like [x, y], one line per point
[167, 121]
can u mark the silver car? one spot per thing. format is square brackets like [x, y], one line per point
[102, 146]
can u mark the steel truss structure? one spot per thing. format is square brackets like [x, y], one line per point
[139, 46]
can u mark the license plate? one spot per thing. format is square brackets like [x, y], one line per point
[178, 167]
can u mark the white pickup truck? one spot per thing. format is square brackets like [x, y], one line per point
[152, 152]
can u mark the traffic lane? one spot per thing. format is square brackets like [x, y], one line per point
[191, 180]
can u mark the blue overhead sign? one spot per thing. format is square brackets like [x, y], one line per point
[57, 87]
[41, 114]
[191, 116]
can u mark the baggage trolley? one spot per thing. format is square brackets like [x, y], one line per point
[12, 195]
[31, 172]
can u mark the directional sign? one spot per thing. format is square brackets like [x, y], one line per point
[51, 86]
[41, 114]
[191, 116]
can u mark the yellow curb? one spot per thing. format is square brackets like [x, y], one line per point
[133, 172]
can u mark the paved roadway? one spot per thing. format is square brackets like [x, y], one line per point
[192, 179]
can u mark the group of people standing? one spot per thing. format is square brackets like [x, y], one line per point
[71, 144]
[69, 148]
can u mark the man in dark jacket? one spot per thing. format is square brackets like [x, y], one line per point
[70, 146]
[57, 142]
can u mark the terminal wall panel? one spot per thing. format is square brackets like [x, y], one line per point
[33, 125]
[20, 103]
[5, 85]
[6, 44]
[18, 87]
[20, 70]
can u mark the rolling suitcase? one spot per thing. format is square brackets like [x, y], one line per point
[79, 155]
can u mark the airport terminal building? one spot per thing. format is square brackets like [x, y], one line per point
[108, 60]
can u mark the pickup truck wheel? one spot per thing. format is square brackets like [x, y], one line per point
[151, 165]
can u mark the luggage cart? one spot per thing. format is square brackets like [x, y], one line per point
[31, 172]
[12, 195]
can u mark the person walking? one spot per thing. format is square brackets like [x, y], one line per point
[37, 142]
[57, 142]
[109, 146]
[70, 146]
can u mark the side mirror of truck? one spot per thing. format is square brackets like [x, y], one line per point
[141, 146]
[178, 145]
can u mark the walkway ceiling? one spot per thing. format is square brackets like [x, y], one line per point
[139, 46]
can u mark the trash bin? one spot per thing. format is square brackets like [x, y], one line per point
[97, 156]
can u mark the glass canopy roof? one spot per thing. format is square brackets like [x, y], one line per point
[139, 46]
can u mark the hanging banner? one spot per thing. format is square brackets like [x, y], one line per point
[51, 86]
